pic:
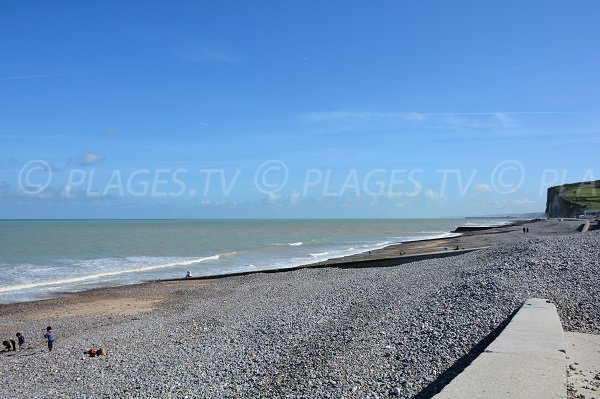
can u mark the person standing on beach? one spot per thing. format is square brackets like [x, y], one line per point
[51, 336]
[21, 339]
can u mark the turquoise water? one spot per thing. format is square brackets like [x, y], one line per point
[44, 258]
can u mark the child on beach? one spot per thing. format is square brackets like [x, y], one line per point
[21, 339]
[51, 336]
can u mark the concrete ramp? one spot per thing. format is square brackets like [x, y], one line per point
[526, 361]
[584, 227]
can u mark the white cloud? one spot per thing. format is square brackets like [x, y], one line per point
[429, 193]
[483, 188]
[273, 198]
[89, 158]
[523, 201]
[226, 202]
[67, 192]
[295, 198]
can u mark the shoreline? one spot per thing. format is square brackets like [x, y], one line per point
[390, 255]
[353, 257]
[100, 266]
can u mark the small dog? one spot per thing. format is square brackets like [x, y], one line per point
[10, 345]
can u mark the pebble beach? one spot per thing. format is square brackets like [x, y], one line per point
[381, 332]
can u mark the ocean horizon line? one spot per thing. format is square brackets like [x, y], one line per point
[252, 218]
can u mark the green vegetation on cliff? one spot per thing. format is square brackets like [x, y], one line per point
[570, 200]
[585, 194]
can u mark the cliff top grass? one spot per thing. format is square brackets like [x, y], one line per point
[586, 194]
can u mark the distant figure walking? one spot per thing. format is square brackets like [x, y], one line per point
[51, 336]
[188, 274]
[21, 339]
[527, 230]
[524, 230]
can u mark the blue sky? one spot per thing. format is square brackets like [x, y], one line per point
[294, 109]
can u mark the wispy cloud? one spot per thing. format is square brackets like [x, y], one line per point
[501, 120]
[273, 198]
[361, 115]
[471, 124]
[416, 116]
[87, 159]
[525, 201]
[483, 188]
[40, 76]
[432, 195]
[188, 49]
[10, 194]
[105, 134]
[506, 118]
[194, 52]
[295, 198]
[509, 113]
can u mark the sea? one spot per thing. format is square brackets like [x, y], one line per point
[42, 259]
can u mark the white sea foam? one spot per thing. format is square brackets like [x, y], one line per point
[84, 264]
[94, 276]
[488, 223]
